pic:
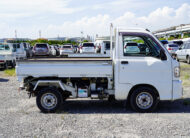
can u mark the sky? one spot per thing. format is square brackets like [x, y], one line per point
[68, 18]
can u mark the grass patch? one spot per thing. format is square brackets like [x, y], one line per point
[185, 74]
[10, 72]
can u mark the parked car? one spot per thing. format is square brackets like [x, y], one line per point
[52, 50]
[76, 49]
[66, 49]
[131, 47]
[87, 47]
[7, 56]
[57, 49]
[28, 49]
[20, 51]
[41, 49]
[103, 46]
[172, 48]
[164, 42]
[184, 53]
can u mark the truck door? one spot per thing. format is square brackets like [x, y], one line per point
[139, 63]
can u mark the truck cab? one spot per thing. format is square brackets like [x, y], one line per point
[142, 74]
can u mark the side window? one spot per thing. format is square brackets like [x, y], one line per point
[18, 45]
[140, 46]
[7, 47]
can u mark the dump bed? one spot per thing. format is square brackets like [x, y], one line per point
[64, 67]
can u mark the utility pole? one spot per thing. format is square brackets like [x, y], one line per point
[40, 33]
[15, 34]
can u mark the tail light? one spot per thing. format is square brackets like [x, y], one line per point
[170, 48]
[1, 61]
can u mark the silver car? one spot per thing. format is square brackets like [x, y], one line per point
[172, 48]
[184, 53]
[66, 49]
[41, 49]
[87, 48]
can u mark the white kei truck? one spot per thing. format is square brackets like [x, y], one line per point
[142, 75]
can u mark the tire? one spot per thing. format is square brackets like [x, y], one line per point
[5, 65]
[177, 58]
[188, 59]
[49, 100]
[13, 64]
[144, 99]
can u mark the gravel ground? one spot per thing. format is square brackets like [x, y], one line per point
[19, 117]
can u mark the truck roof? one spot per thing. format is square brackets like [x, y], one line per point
[142, 30]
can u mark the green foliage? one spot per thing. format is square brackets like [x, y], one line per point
[162, 38]
[85, 41]
[171, 38]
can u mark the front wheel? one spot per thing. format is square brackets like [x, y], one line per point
[49, 100]
[144, 99]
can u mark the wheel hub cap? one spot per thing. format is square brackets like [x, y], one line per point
[49, 101]
[144, 100]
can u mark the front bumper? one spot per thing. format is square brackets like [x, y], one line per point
[177, 89]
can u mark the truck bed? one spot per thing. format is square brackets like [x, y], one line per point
[64, 67]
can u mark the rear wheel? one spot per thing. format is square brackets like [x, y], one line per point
[144, 99]
[49, 100]
[188, 59]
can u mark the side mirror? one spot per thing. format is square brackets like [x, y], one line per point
[180, 48]
[163, 55]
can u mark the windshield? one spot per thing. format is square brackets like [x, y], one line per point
[173, 45]
[66, 47]
[4, 47]
[88, 44]
[41, 45]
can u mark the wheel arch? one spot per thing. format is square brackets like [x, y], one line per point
[142, 85]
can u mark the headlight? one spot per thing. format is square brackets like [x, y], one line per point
[177, 72]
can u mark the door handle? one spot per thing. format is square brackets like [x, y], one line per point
[124, 62]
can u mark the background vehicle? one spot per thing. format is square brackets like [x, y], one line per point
[20, 50]
[184, 53]
[28, 49]
[65, 49]
[87, 48]
[76, 49]
[53, 51]
[103, 46]
[7, 56]
[131, 47]
[172, 48]
[141, 77]
[57, 49]
[41, 49]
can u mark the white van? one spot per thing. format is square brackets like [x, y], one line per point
[20, 50]
[7, 56]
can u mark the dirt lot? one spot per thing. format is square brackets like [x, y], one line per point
[19, 117]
